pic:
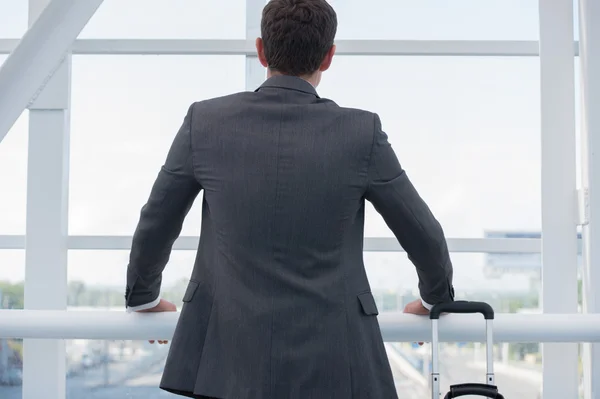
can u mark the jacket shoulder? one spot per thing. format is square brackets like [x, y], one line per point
[361, 118]
[221, 100]
[359, 113]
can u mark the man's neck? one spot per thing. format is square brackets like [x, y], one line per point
[310, 79]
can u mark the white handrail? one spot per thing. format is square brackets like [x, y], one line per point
[479, 48]
[395, 327]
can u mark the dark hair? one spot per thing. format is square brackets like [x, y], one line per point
[297, 34]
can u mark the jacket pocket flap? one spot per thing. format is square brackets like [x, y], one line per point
[190, 291]
[367, 302]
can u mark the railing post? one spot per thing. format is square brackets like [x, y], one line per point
[46, 240]
[589, 57]
[559, 199]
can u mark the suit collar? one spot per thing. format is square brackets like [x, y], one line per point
[289, 83]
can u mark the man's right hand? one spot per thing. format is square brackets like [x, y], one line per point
[416, 307]
[163, 306]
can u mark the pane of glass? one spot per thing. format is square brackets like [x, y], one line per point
[13, 18]
[518, 368]
[509, 290]
[434, 20]
[11, 368]
[578, 120]
[173, 19]
[126, 112]
[580, 370]
[576, 19]
[133, 369]
[466, 130]
[509, 286]
[13, 176]
[97, 278]
[12, 274]
[112, 369]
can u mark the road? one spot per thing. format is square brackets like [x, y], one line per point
[457, 368]
[510, 383]
[131, 381]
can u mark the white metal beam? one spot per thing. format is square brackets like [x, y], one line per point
[589, 33]
[46, 249]
[12, 242]
[475, 48]
[38, 55]
[559, 197]
[371, 244]
[395, 326]
[44, 367]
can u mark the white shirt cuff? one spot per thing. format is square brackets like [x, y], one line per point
[143, 307]
[426, 305]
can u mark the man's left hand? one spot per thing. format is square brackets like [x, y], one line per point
[163, 306]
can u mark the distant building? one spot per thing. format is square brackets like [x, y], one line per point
[497, 264]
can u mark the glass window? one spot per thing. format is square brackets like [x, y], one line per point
[173, 19]
[509, 286]
[434, 20]
[13, 176]
[12, 274]
[11, 368]
[466, 130]
[578, 120]
[518, 368]
[509, 289]
[13, 18]
[112, 368]
[126, 112]
[133, 369]
[97, 278]
[576, 19]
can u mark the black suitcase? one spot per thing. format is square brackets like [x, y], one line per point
[487, 390]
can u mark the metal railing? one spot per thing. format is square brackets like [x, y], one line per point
[395, 326]
[371, 244]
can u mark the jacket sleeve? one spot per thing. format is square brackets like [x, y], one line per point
[410, 219]
[161, 219]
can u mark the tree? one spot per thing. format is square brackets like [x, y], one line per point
[75, 292]
[12, 296]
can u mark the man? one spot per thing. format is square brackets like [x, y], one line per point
[278, 305]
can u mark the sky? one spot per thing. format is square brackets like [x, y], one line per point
[466, 129]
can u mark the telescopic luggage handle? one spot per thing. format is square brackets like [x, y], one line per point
[486, 391]
[462, 307]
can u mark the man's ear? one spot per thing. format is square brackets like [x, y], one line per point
[260, 51]
[328, 59]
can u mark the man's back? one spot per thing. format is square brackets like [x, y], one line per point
[279, 305]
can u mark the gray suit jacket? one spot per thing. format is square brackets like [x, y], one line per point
[278, 305]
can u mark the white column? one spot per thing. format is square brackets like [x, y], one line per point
[589, 56]
[255, 72]
[559, 199]
[39, 53]
[46, 240]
